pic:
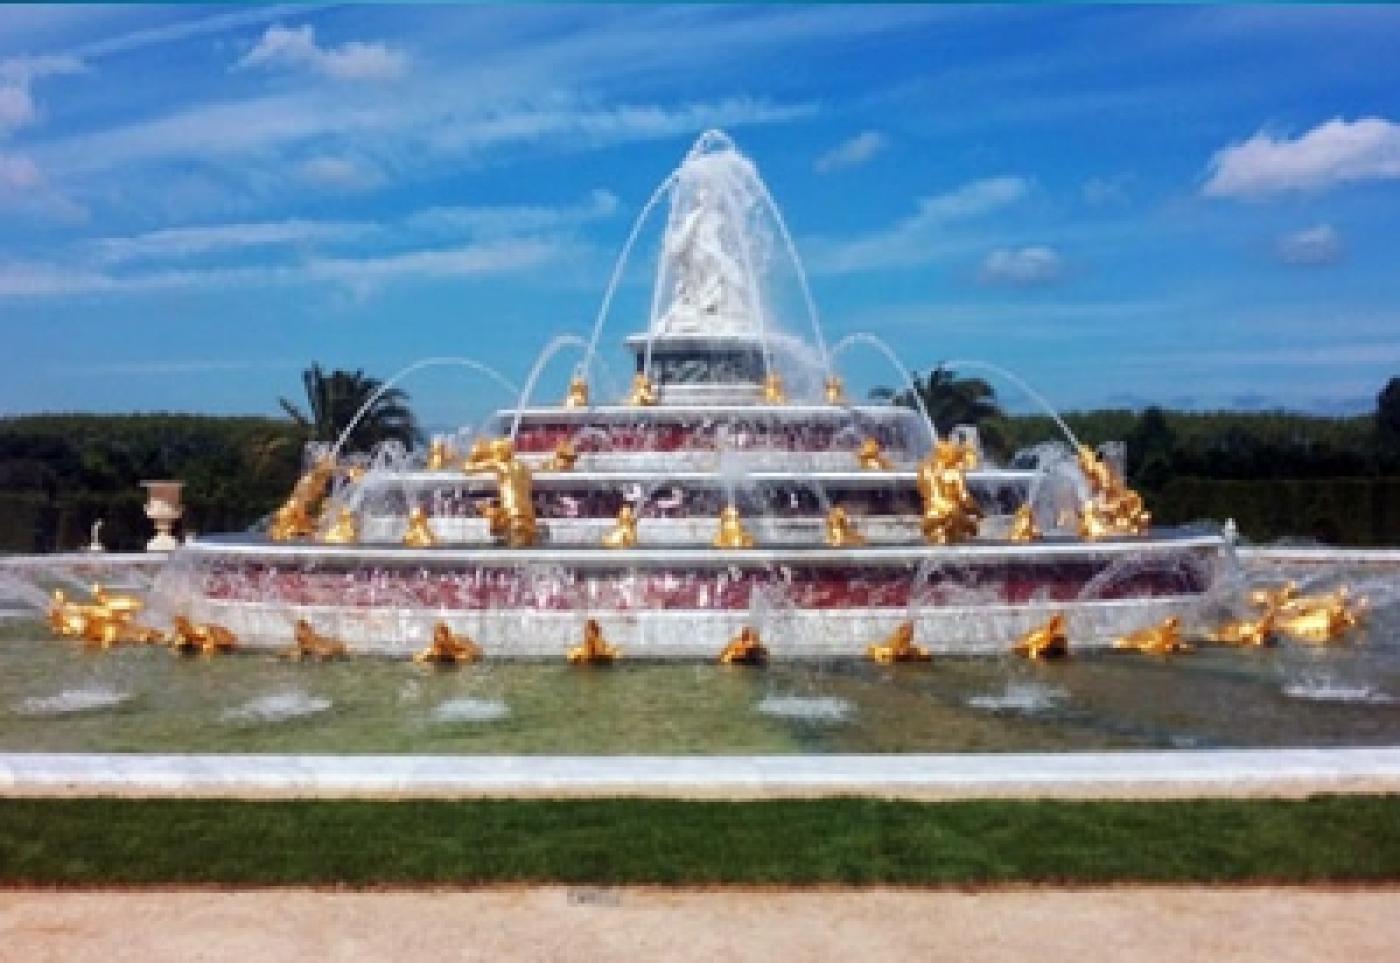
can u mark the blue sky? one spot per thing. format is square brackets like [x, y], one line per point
[1192, 206]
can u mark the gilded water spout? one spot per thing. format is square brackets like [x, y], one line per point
[732, 533]
[623, 534]
[577, 395]
[310, 644]
[1046, 641]
[204, 638]
[841, 532]
[345, 530]
[1164, 638]
[643, 393]
[563, 458]
[746, 648]
[870, 457]
[835, 390]
[899, 646]
[1023, 526]
[440, 455]
[950, 513]
[1256, 632]
[419, 533]
[448, 648]
[595, 649]
[1112, 508]
[773, 392]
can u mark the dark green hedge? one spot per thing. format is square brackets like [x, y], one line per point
[1338, 511]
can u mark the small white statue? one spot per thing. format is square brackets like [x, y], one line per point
[95, 538]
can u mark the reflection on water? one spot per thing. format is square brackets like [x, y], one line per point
[59, 696]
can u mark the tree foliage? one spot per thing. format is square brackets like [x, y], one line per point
[333, 399]
[951, 401]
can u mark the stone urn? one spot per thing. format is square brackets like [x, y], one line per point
[163, 507]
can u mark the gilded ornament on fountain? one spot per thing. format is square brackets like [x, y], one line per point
[623, 534]
[841, 532]
[203, 638]
[871, 457]
[448, 648]
[563, 458]
[1023, 526]
[440, 455]
[511, 517]
[419, 533]
[899, 646]
[299, 515]
[345, 530]
[594, 650]
[1112, 508]
[643, 393]
[577, 395]
[1047, 641]
[1164, 638]
[950, 513]
[835, 390]
[732, 533]
[746, 648]
[773, 392]
[307, 643]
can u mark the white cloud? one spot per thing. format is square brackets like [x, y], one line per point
[41, 280]
[1333, 153]
[852, 153]
[1312, 246]
[291, 48]
[16, 75]
[1105, 191]
[506, 220]
[919, 238]
[1022, 267]
[183, 242]
[18, 173]
[339, 173]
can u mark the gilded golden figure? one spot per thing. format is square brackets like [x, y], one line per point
[746, 648]
[345, 530]
[624, 533]
[950, 513]
[841, 532]
[835, 390]
[1112, 508]
[643, 393]
[309, 644]
[419, 534]
[577, 395]
[563, 458]
[594, 649]
[1023, 526]
[732, 533]
[1046, 641]
[870, 456]
[448, 648]
[773, 392]
[899, 646]
[1164, 638]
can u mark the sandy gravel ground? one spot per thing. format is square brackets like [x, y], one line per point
[557, 923]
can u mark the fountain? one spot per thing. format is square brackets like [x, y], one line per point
[844, 506]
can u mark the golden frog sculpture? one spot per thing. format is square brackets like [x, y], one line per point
[624, 533]
[899, 647]
[205, 638]
[345, 530]
[835, 390]
[1112, 508]
[1023, 526]
[478, 457]
[732, 533]
[419, 533]
[448, 648]
[1164, 638]
[870, 457]
[595, 649]
[1274, 597]
[1257, 632]
[746, 648]
[440, 455]
[1044, 642]
[563, 458]
[950, 512]
[643, 393]
[773, 392]
[841, 532]
[307, 643]
[1324, 618]
[577, 395]
[299, 515]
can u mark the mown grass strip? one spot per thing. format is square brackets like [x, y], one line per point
[92, 842]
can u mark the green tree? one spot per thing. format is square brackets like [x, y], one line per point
[334, 398]
[949, 401]
[1388, 413]
[1151, 449]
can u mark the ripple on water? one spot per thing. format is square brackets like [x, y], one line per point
[72, 701]
[1337, 692]
[824, 709]
[276, 707]
[468, 709]
[1027, 697]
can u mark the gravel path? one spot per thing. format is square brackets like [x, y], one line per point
[1142, 924]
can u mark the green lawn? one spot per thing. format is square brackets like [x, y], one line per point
[90, 842]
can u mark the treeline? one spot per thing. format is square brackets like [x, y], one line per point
[1333, 479]
[60, 473]
[1336, 480]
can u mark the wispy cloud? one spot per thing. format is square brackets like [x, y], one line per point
[504, 220]
[339, 174]
[1021, 267]
[858, 150]
[295, 48]
[1313, 246]
[359, 275]
[1333, 153]
[17, 74]
[916, 239]
[186, 242]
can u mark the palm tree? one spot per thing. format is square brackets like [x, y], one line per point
[950, 401]
[333, 399]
